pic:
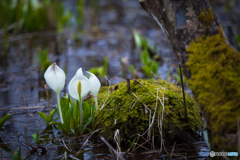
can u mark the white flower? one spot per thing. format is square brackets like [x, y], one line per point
[55, 78]
[73, 85]
[95, 86]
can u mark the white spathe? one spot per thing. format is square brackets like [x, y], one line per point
[95, 84]
[55, 78]
[73, 85]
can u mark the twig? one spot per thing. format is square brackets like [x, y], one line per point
[140, 145]
[65, 145]
[88, 138]
[172, 150]
[103, 139]
[71, 156]
[11, 26]
[186, 115]
[117, 140]
[128, 86]
[22, 108]
[46, 91]
[65, 155]
[30, 35]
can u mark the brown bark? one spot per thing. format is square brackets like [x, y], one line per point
[180, 23]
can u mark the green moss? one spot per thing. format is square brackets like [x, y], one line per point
[215, 82]
[206, 17]
[128, 114]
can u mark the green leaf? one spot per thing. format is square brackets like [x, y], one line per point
[131, 67]
[145, 57]
[154, 67]
[43, 59]
[94, 70]
[54, 123]
[64, 102]
[16, 155]
[44, 117]
[3, 120]
[86, 110]
[69, 99]
[105, 66]
[74, 124]
[144, 44]
[137, 39]
[66, 126]
[36, 137]
[87, 123]
[50, 117]
[147, 71]
[61, 127]
[101, 71]
[177, 78]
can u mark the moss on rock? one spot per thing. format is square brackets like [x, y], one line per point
[129, 114]
[215, 82]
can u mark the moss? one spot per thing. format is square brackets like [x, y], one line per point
[215, 82]
[206, 17]
[124, 112]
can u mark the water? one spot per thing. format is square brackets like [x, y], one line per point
[21, 85]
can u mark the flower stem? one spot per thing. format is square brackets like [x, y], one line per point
[96, 102]
[81, 115]
[59, 107]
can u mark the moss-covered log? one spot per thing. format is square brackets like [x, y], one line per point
[133, 111]
[211, 65]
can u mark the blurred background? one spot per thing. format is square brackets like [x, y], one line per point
[116, 38]
[112, 38]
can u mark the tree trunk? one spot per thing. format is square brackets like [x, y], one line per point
[211, 65]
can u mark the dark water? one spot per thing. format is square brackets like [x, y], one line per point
[21, 83]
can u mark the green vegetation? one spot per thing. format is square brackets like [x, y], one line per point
[71, 116]
[36, 137]
[80, 12]
[215, 82]
[101, 71]
[4, 119]
[237, 40]
[149, 65]
[16, 155]
[44, 60]
[131, 112]
[48, 119]
[178, 77]
[32, 15]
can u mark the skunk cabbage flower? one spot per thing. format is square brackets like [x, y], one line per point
[95, 86]
[78, 88]
[55, 78]
[73, 85]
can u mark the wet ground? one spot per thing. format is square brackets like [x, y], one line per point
[21, 83]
